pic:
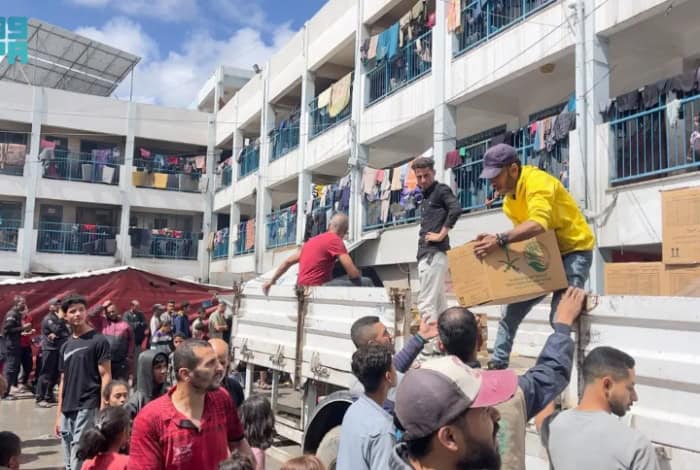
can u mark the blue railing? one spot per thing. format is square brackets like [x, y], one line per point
[483, 19]
[9, 234]
[320, 121]
[183, 247]
[220, 250]
[655, 143]
[226, 178]
[242, 239]
[80, 166]
[250, 161]
[284, 141]
[79, 239]
[150, 174]
[412, 62]
[281, 228]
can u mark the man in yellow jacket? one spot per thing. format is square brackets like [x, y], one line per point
[535, 202]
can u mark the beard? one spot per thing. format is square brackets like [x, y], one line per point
[485, 458]
[618, 409]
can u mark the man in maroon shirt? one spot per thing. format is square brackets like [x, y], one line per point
[317, 258]
[195, 425]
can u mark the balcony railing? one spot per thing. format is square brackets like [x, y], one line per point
[80, 166]
[246, 238]
[221, 243]
[320, 121]
[166, 177]
[9, 234]
[281, 228]
[284, 140]
[77, 239]
[402, 209]
[249, 161]
[172, 245]
[412, 62]
[483, 19]
[226, 177]
[656, 143]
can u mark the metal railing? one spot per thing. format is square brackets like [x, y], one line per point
[412, 62]
[78, 239]
[240, 248]
[220, 250]
[320, 121]
[147, 174]
[284, 141]
[483, 19]
[281, 228]
[9, 234]
[80, 166]
[657, 142]
[182, 247]
[250, 161]
[226, 178]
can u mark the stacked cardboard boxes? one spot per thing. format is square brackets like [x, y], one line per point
[679, 272]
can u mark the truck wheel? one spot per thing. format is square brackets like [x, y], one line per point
[327, 451]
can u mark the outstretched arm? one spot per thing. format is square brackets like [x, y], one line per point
[288, 263]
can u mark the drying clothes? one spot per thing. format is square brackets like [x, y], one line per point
[417, 10]
[393, 39]
[650, 96]
[48, 144]
[372, 50]
[340, 95]
[565, 122]
[672, 109]
[324, 98]
[200, 162]
[454, 16]
[628, 102]
[160, 180]
[411, 181]
[395, 179]
[107, 174]
[452, 159]
[539, 143]
[145, 153]
[431, 21]
[532, 128]
[12, 154]
[369, 180]
[463, 153]
[404, 29]
[249, 234]
[684, 82]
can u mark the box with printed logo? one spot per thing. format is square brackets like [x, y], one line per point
[520, 271]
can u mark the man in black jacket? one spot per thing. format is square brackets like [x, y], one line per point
[137, 320]
[54, 333]
[12, 329]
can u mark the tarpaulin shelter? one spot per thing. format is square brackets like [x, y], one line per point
[121, 285]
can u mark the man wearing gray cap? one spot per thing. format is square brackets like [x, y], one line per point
[446, 412]
[535, 202]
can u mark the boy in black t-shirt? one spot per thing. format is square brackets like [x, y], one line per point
[86, 368]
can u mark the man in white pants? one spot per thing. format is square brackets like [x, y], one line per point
[439, 213]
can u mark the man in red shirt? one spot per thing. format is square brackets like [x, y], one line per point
[317, 258]
[195, 425]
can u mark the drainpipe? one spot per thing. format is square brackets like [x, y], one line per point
[581, 95]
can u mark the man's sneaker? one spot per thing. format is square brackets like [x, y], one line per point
[9, 398]
[496, 365]
[51, 401]
[43, 404]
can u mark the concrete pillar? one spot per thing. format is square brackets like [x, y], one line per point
[264, 196]
[32, 171]
[444, 116]
[235, 212]
[308, 91]
[124, 248]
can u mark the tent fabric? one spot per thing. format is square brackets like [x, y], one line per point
[120, 285]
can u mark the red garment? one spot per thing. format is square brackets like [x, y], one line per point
[145, 153]
[108, 461]
[172, 160]
[317, 258]
[164, 439]
[25, 341]
[90, 227]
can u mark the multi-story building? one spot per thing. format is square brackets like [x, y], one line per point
[405, 78]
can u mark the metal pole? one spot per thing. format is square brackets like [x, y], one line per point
[582, 101]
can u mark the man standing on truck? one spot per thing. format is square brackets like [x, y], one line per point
[439, 213]
[317, 257]
[535, 202]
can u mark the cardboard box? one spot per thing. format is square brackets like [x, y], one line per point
[682, 281]
[680, 209]
[524, 270]
[634, 278]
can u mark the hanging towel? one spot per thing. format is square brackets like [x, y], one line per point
[48, 144]
[380, 176]
[144, 153]
[107, 174]
[372, 51]
[404, 27]
[454, 16]
[16, 154]
[393, 46]
[452, 159]
[411, 181]
[200, 162]
[324, 98]
[160, 180]
[340, 95]
[417, 10]
[395, 179]
[369, 180]
[250, 234]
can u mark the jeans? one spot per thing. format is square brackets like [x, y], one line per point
[344, 281]
[72, 426]
[48, 375]
[576, 266]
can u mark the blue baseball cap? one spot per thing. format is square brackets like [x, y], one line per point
[497, 157]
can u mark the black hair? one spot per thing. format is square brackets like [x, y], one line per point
[171, 301]
[237, 461]
[184, 357]
[369, 364]
[258, 421]
[201, 310]
[72, 299]
[179, 334]
[110, 423]
[10, 446]
[458, 331]
[605, 360]
[107, 392]
[360, 330]
[159, 359]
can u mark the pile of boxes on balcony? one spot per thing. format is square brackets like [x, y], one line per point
[172, 172]
[678, 274]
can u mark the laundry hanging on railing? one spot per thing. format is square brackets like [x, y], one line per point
[12, 154]
[390, 194]
[340, 95]
[323, 202]
[385, 45]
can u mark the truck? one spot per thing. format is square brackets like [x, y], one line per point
[305, 333]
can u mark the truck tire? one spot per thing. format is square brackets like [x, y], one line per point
[327, 451]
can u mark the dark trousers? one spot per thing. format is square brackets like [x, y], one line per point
[48, 375]
[27, 360]
[120, 371]
[11, 370]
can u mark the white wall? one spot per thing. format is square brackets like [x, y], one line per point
[286, 66]
[328, 145]
[283, 169]
[334, 24]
